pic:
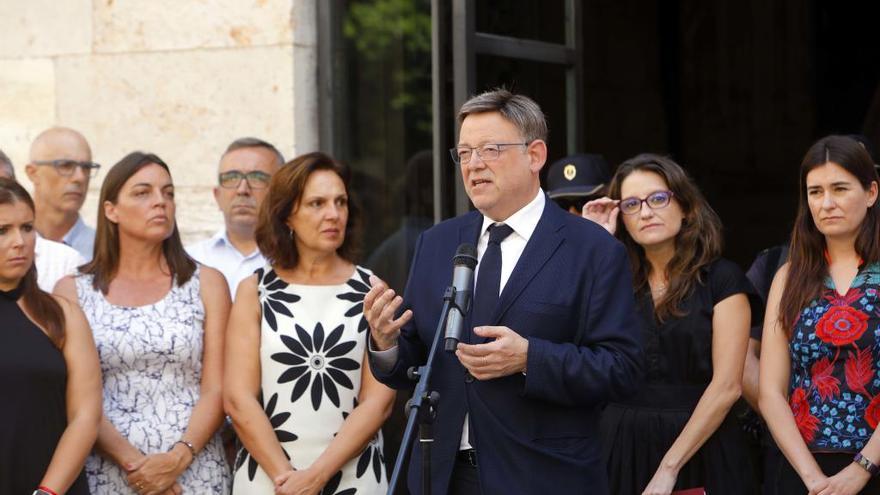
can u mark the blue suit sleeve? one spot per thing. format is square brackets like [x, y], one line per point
[605, 360]
[411, 350]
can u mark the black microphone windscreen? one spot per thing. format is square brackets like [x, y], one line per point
[465, 255]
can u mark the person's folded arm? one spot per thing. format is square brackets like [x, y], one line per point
[750, 373]
[83, 399]
[110, 443]
[207, 415]
[730, 335]
[774, 376]
[241, 383]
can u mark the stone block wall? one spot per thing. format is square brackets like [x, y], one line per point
[178, 78]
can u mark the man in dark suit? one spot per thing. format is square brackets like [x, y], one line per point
[552, 334]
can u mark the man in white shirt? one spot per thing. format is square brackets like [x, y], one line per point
[54, 260]
[60, 168]
[245, 169]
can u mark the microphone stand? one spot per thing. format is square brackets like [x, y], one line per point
[423, 397]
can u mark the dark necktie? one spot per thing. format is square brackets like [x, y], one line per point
[489, 277]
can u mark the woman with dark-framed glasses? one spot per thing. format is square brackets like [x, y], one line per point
[677, 432]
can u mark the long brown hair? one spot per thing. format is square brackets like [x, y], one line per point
[274, 237]
[697, 244]
[42, 307]
[106, 261]
[807, 266]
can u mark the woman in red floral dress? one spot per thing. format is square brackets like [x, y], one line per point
[820, 375]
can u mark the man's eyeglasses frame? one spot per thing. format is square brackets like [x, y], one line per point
[256, 179]
[486, 153]
[66, 167]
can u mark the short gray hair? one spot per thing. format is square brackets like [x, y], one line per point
[252, 142]
[6, 163]
[520, 110]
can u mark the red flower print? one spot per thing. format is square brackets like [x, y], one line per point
[872, 413]
[841, 325]
[800, 408]
[859, 371]
[827, 385]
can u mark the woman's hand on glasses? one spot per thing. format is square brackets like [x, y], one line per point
[603, 211]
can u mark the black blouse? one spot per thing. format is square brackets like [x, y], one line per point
[33, 406]
[679, 350]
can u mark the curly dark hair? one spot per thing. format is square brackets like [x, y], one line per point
[697, 244]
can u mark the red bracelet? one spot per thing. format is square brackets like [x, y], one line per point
[47, 490]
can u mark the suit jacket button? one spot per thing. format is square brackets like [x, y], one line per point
[468, 378]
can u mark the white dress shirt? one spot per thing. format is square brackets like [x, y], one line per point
[523, 223]
[217, 252]
[54, 260]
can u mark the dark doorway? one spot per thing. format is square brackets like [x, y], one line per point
[735, 92]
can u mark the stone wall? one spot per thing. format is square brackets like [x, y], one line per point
[179, 78]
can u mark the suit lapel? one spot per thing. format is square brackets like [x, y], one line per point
[544, 242]
[470, 229]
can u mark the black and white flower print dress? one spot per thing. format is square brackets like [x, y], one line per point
[151, 358]
[313, 340]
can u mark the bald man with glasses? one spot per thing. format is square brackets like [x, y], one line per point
[60, 168]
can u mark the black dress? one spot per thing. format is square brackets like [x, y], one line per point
[33, 381]
[638, 432]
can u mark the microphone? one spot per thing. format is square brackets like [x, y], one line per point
[464, 262]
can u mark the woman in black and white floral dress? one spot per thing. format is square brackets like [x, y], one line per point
[301, 396]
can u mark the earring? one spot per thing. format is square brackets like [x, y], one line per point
[291, 234]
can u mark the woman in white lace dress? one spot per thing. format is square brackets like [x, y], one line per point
[158, 322]
[297, 384]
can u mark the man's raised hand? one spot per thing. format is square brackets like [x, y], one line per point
[380, 305]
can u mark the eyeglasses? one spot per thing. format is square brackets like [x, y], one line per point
[67, 167]
[486, 153]
[255, 179]
[655, 201]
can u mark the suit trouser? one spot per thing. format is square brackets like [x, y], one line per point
[465, 479]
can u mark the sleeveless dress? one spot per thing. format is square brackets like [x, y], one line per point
[33, 415]
[834, 391]
[151, 358]
[637, 433]
[312, 346]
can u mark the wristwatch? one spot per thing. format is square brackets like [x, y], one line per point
[40, 491]
[868, 466]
